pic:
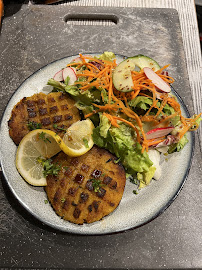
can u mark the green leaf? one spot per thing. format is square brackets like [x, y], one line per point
[33, 125]
[178, 146]
[57, 85]
[141, 102]
[104, 125]
[42, 136]
[67, 80]
[49, 168]
[85, 141]
[108, 56]
[97, 184]
[146, 177]
[55, 126]
[73, 90]
[120, 141]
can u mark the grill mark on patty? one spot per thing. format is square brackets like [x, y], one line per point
[31, 112]
[77, 212]
[47, 110]
[107, 180]
[101, 192]
[46, 121]
[43, 111]
[66, 205]
[53, 109]
[57, 119]
[41, 101]
[85, 168]
[64, 107]
[29, 103]
[79, 178]
[96, 173]
[86, 203]
[68, 117]
[72, 191]
[83, 197]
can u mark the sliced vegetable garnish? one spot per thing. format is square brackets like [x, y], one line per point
[69, 73]
[158, 132]
[157, 80]
[58, 76]
[118, 87]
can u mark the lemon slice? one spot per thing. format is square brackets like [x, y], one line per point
[42, 143]
[37, 143]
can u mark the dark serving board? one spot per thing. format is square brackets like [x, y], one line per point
[33, 36]
[37, 35]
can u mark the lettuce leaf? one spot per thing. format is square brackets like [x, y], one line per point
[146, 177]
[108, 56]
[57, 86]
[144, 103]
[141, 102]
[120, 142]
[178, 146]
[104, 126]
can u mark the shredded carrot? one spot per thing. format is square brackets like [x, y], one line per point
[188, 125]
[118, 101]
[154, 142]
[161, 69]
[112, 119]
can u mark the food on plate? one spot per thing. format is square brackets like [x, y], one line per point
[88, 187]
[133, 107]
[35, 147]
[102, 122]
[55, 111]
[78, 138]
[122, 75]
[38, 146]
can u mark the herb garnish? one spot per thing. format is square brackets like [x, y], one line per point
[33, 125]
[117, 160]
[96, 183]
[55, 126]
[133, 180]
[85, 141]
[42, 136]
[49, 168]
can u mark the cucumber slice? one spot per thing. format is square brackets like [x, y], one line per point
[122, 78]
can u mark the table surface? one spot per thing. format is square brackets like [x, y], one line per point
[173, 240]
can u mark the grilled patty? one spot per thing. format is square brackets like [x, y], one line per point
[88, 187]
[55, 111]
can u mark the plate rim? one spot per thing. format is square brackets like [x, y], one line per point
[66, 230]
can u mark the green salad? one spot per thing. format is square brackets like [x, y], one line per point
[135, 114]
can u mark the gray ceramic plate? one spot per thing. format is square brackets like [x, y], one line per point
[133, 211]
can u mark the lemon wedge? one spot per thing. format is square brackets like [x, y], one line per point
[42, 144]
[78, 138]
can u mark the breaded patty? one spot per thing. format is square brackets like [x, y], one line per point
[88, 187]
[55, 111]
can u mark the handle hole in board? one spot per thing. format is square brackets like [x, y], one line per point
[91, 19]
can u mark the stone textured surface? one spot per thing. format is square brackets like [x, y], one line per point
[170, 241]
